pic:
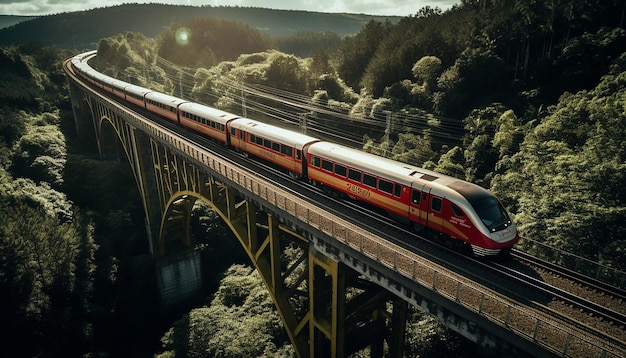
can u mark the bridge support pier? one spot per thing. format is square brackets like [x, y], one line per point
[349, 313]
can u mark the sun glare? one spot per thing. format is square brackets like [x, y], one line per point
[182, 36]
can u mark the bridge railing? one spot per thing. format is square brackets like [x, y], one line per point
[554, 334]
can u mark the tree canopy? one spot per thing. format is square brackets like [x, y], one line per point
[525, 99]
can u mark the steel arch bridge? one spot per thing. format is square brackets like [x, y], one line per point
[347, 289]
[315, 295]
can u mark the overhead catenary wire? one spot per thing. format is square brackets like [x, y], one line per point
[290, 108]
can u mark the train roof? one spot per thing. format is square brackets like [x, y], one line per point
[84, 57]
[136, 90]
[114, 82]
[207, 112]
[387, 168]
[273, 133]
[164, 98]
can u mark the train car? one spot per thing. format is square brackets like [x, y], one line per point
[80, 64]
[422, 198]
[136, 94]
[280, 146]
[209, 121]
[114, 86]
[83, 72]
[163, 105]
[98, 78]
[77, 63]
[91, 75]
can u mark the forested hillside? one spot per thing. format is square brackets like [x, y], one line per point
[531, 107]
[83, 29]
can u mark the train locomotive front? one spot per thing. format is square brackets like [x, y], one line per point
[427, 200]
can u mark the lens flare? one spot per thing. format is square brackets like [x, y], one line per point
[182, 36]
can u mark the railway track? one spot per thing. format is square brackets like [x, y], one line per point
[555, 298]
[611, 297]
[588, 303]
[549, 297]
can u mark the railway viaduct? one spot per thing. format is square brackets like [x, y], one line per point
[347, 289]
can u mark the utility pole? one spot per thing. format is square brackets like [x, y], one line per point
[244, 111]
[180, 84]
[303, 125]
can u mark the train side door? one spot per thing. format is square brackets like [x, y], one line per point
[435, 213]
[242, 139]
[418, 205]
[236, 138]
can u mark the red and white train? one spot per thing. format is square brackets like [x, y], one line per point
[424, 199]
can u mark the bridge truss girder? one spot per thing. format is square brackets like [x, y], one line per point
[315, 296]
[328, 309]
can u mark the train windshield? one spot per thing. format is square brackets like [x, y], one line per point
[491, 213]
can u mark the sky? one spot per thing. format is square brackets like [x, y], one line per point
[370, 7]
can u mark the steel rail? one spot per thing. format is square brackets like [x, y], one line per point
[471, 295]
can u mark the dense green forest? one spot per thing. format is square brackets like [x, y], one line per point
[531, 107]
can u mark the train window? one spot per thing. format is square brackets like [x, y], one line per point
[436, 204]
[340, 170]
[456, 210]
[298, 154]
[259, 140]
[369, 180]
[287, 150]
[326, 165]
[233, 131]
[267, 143]
[276, 147]
[415, 197]
[252, 138]
[354, 175]
[397, 190]
[315, 161]
[386, 186]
